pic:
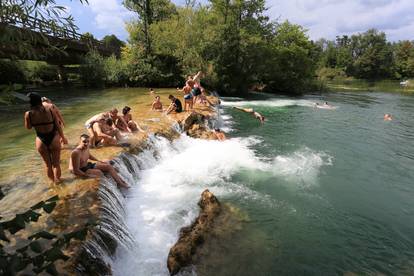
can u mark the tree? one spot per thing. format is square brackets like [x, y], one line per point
[149, 12]
[111, 41]
[404, 59]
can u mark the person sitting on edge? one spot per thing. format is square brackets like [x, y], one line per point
[175, 105]
[152, 92]
[132, 125]
[220, 134]
[188, 97]
[119, 121]
[79, 165]
[89, 124]
[156, 104]
[105, 132]
[257, 115]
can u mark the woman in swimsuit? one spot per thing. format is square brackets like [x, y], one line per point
[48, 135]
[132, 125]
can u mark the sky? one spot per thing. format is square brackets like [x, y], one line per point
[322, 18]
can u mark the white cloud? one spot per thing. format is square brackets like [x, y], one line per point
[328, 18]
[110, 15]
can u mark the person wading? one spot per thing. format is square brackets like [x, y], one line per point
[48, 135]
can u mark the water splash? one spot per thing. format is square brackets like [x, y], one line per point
[270, 103]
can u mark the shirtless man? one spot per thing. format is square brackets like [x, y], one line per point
[105, 132]
[188, 97]
[80, 166]
[219, 134]
[118, 120]
[157, 105]
[89, 124]
[255, 114]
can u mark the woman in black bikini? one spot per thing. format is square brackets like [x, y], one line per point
[48, 135]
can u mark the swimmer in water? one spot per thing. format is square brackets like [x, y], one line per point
[256, 114]
[220, 134]
[387, 117]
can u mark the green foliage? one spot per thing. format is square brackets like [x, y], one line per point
[45, 72]
[116, 71]
[111, 41]
[11, 72]
[328, 73]
[234, 43]
[92, 70]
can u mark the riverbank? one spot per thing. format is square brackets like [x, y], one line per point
[344, 85]
[80, 200]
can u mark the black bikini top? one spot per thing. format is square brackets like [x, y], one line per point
[43, 123]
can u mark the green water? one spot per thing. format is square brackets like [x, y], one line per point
[340, 196]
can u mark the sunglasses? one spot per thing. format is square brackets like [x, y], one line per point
[85, 141]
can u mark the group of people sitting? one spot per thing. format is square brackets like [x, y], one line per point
[104, 129]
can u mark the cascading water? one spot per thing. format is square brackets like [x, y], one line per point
[167, 178]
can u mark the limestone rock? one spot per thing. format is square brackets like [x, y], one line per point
[193, 236]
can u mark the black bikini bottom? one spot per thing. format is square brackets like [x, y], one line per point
[46, 138]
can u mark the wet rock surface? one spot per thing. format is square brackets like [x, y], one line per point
[193, 236]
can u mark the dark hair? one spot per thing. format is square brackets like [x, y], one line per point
[125, 110]
[86, 136]
[170, 97]
[35, 99]
[109, 122]
[157, 97]
[216, 129]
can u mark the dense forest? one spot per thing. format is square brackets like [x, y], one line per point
[238, 48]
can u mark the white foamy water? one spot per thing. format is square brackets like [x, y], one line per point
[270, 103]
[301, 167]
[172, 177]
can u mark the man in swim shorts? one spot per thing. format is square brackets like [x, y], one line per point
[79, 163]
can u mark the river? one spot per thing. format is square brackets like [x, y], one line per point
[316, 192]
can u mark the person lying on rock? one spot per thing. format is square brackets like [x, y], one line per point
[79, 163]
[175, 105]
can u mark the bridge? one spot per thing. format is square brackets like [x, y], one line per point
[48, 41]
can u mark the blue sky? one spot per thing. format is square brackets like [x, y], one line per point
[322, 18]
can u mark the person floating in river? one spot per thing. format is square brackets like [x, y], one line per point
[255, 114]
[49, 134]
[220, 134]
[387, 117]
[79, 163]
[132, 125]
[175, 105]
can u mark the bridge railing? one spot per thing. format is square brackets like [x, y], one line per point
[44, 27]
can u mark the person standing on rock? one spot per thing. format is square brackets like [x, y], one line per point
[79, 163]
[49, 134]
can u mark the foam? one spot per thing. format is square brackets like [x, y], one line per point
[269, 103]
[172, 177]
